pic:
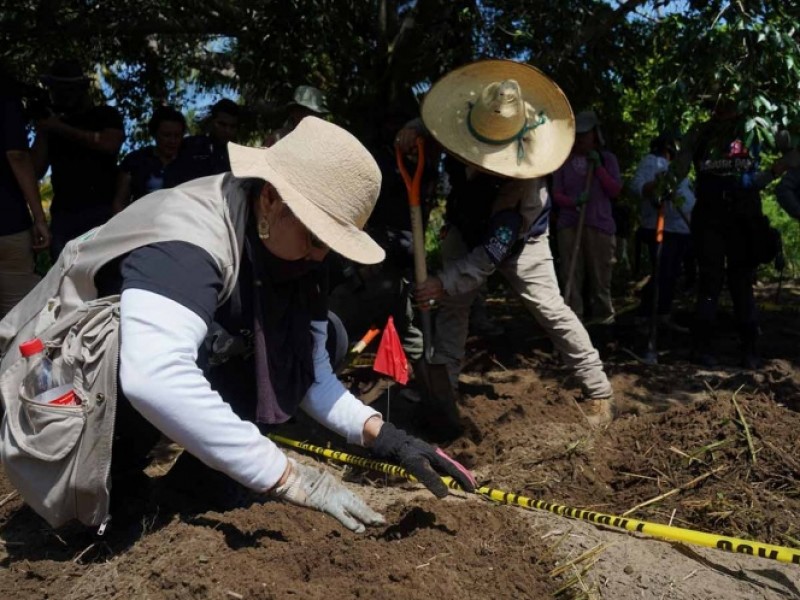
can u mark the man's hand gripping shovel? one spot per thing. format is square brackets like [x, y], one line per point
[441, 411]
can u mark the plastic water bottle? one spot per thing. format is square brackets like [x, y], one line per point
[46, 383]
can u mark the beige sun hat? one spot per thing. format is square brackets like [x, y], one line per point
[328, 180]
[503, 117]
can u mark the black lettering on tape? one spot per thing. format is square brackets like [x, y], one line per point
[773, 554]
[640, 527]
[725, 545]
[744, 549]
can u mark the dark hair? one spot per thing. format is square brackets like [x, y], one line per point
[162, 114]
[227, 106]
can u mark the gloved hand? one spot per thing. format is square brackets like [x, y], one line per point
[420, 459]
[666, 185]
[312, 488]
[594, 157]
[582, 199]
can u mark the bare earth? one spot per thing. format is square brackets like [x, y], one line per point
[528, 435]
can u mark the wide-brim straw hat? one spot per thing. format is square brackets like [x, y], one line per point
[503, 117]
[328, 180]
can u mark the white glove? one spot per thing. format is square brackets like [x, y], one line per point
[311, 488]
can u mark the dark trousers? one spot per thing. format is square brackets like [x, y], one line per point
[675, 246]
[722, 254]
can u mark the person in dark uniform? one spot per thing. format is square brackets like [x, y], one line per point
[207, 154]
[144, 170]
[79, 142]
[731, 235]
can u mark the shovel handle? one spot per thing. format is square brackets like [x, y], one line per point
[418, 234]
[413, 188]
[412, 185]
[576, 245]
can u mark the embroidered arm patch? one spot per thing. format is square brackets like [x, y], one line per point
[502, 234]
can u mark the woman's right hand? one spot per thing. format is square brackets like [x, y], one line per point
[306, 486]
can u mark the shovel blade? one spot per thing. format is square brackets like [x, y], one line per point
[439, 410]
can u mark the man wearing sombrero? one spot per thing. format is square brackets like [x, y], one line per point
[509, 126]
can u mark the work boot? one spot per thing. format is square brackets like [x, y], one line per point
[599, 411]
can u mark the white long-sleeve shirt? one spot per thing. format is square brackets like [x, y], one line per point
[160, 377]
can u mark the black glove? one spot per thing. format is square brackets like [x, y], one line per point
[420, 459]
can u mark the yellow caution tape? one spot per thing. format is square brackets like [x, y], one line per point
[668, 532]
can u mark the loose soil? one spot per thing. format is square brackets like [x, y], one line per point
[526, 433]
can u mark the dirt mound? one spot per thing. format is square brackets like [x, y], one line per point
[679, 430]
[429, 549]
[741, 490]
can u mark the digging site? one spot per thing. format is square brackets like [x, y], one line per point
[712, 451]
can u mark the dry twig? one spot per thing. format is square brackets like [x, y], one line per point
[744, 424]
[9, 498]
[674, 491]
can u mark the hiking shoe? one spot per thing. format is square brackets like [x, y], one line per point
[599, 411]
[705, 360]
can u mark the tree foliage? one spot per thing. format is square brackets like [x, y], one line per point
[644, 64]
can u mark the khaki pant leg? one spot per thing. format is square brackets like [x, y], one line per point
[600, 257]
[566, 242]
[452, 316]
[533, 277]
[16, 269]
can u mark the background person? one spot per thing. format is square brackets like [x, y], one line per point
[730, 232]
[307, 101]
[596, 258]
[143, 171]
[79, 141]
[677, 214]
[19, 199]
[207, 154]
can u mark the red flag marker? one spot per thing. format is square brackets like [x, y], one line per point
[390, 359]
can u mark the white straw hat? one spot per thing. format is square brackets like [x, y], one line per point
[503, 117]
[328, 180]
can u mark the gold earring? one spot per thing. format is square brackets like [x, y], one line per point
[263, 229]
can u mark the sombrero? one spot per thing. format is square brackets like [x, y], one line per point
[501, 116]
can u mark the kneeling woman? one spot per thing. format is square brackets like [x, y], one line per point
[222, 291]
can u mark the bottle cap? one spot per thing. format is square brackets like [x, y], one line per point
[31, 347]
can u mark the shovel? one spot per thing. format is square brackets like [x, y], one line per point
[576, 246]
[651, 355]
[440, 399]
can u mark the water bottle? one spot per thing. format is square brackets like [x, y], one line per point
[46, 383]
